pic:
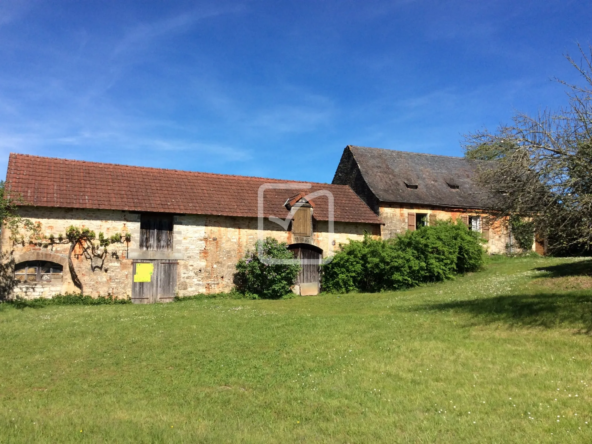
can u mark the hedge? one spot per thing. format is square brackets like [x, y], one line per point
[430, 254]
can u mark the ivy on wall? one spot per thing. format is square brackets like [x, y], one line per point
[523, 232]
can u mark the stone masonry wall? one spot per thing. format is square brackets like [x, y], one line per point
[395, 219]
[206, 247]
[214, 244]
[114, 277]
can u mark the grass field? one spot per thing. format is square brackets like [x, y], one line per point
[503, 355]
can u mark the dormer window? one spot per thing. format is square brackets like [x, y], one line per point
[302, 221]
[452, 184]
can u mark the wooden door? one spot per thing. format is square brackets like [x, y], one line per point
[310, 263]
[167, 281]
[154, 281]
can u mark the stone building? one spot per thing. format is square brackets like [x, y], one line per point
[181, 233]
[175, 232]
[408, 190]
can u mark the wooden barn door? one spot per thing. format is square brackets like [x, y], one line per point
[309, 277]
[153, 281]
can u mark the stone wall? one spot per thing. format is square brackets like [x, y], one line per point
[395, 219]
[206, 247]
[214, 244]
[111, 276]
[348, 173]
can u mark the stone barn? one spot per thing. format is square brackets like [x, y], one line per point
[409, 190]
[171, 232]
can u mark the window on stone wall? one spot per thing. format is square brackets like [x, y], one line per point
[38, 271]
[422, 220]
[156, 231]
[475, 223]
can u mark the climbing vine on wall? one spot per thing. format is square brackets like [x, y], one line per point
[523, 232]
[93, 247]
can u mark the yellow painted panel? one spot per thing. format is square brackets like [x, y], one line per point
[144, 272]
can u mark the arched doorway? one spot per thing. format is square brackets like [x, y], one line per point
[309, 279]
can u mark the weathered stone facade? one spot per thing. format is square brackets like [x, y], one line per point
[206, 248]
[395, 218]
[394, 184]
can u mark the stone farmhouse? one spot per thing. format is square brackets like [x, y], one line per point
[410, 190]
[190, 229]
[182, 233]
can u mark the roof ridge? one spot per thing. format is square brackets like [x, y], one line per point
[408, 152]
[202, 173]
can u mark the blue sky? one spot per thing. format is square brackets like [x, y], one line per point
[273, 88]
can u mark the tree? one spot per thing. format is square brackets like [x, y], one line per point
[541, 165]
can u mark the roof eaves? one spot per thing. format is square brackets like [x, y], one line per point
[439, 205]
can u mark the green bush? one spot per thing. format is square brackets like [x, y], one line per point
[66, 299]
[430, 254]
[257, 278]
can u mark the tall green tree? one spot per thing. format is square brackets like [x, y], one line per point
[542, 165]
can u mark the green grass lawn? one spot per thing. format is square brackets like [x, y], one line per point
[502, 356]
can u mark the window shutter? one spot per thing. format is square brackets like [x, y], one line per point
[411, 221]
[465, 219]
[485, 228]
[432, 219]
[302, 222]
[156, 232]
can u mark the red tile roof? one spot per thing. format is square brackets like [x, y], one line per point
[49, 182]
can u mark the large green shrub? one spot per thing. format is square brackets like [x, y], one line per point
[256, 277]
[430, 254]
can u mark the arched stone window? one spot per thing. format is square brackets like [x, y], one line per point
[38, 271]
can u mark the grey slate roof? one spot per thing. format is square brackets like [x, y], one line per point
[388, 174]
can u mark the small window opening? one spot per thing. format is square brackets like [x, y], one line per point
[452, 183]
[302, 220]
[156, 231]
[38, 271]
[475, 223]
[410, 186]
[422, 220]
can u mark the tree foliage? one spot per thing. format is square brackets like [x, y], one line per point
[430, 254]
[542, 165]
[262, 272]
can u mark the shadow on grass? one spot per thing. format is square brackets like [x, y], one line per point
[547, 310]
[583, 268]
